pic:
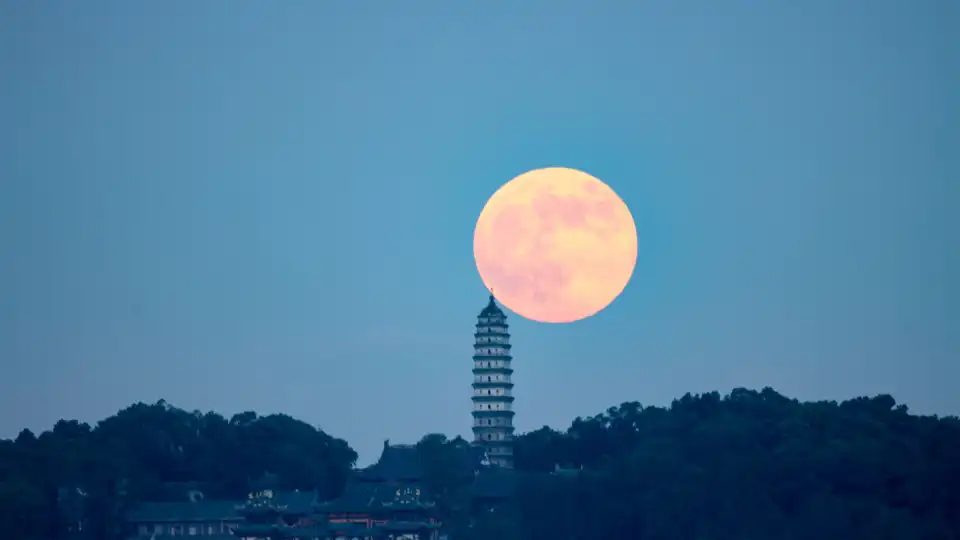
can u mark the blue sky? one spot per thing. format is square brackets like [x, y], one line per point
[270, 206]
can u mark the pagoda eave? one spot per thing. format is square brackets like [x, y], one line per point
[489, 334]
[492, 399]
[487, 371]
[491, 414]
[492, 384]
[482, 429]
[492, 324]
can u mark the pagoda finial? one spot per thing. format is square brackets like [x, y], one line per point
[492, 309]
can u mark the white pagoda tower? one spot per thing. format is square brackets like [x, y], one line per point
[492, 386]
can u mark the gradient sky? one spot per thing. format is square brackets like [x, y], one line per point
[269, 206]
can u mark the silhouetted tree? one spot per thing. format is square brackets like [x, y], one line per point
[140, 451]
[749, 465]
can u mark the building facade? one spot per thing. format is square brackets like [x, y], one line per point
[493, 386]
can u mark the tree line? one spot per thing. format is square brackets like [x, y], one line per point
[144, 450]
[748, 465]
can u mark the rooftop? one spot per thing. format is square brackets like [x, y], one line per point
[185, 512]
[492, 310]
[217, 510]
[397, 463]
[286, 502]
[364, 497]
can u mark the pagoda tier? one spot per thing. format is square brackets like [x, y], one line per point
[492, 386]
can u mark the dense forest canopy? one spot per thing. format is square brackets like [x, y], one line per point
[743, 466]
[141, 451]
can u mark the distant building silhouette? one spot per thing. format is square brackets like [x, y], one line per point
[492, 386]
[386, 501]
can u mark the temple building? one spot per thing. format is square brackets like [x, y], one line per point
[386, 501]
[268, 514]
[492, 386]
[212, 519]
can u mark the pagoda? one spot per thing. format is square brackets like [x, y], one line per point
[492, 386]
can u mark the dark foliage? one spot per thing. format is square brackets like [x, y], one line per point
[75, 474]
[750, 465]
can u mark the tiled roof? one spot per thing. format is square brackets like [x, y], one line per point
[361, 497]
[492, 310]
[397, 463]
[217, 510]
[356, 497]
[295, 501]
[376, 487]
[184, 512]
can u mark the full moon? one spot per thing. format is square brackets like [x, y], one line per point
[555, 245]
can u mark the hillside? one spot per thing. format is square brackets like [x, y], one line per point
[742, 466]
